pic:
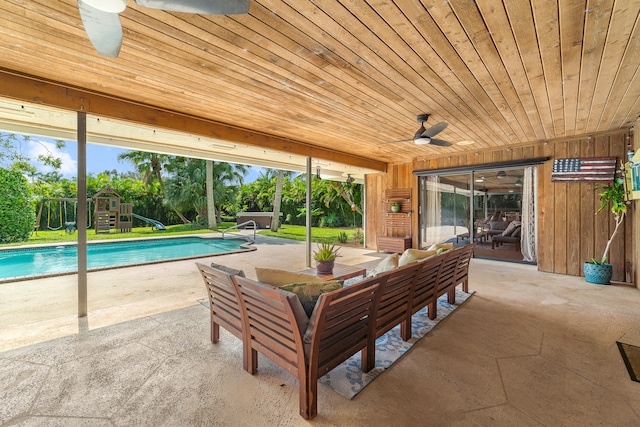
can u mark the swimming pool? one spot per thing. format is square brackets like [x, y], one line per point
[28, 263]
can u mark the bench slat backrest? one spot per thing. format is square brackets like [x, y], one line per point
[427, 283]
[446, 281]
[341, 324]
[462, 268]
[272, 327]
[223, 301]
[395, 300]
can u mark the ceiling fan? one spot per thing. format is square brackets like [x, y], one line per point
[426, 136]
[101, 18]
[500, 175]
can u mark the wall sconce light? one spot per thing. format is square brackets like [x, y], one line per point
[518, 182]
[501, 175]
[318, 172]
[350, 179]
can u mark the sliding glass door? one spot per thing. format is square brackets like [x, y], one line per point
[494, 207]
[445, 212]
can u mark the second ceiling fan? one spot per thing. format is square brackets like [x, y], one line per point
[425, 136]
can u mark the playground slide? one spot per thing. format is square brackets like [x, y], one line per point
[157, 224]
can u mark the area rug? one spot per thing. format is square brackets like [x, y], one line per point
[348, 379]
[631, 356]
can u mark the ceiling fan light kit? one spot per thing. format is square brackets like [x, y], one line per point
[422, 140]
[109, 6]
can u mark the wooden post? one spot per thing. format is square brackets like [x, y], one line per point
[82, 214]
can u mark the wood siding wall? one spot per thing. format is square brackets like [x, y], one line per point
[569, 232]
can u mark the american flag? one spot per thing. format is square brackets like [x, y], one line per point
[598, 169]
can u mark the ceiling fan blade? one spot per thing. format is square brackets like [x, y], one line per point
[419, 132]
[204, 7]
[103, 29]
[435, 129]
[440, 143]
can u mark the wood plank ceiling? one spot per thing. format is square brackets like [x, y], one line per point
[351, 76]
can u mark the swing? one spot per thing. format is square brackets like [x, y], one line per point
[70, 227]
[49, 217]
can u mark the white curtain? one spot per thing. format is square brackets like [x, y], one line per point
[433, 217]
[528, 240]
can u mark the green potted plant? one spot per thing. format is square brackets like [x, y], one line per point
[325, 257]
[395, 207]
[612, 195]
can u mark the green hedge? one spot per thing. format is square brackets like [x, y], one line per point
[17, 216]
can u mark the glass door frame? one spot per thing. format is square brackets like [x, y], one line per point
[472, 170]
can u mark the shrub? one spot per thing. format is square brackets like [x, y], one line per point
[342, 237]
[358, 236]
[17, 215]
[330, 220]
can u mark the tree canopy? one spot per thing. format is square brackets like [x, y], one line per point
[173, 189]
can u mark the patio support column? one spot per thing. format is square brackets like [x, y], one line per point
[308, 219]
[81, 224]
[364, 212]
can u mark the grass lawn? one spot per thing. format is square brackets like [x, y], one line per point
[293, 232]
[299, 232]
[58, 236]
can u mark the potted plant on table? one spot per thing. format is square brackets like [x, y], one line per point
[325, 257]
[598, 270]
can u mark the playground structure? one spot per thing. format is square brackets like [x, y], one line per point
[109, 213]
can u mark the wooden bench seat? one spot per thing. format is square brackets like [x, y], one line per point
[272, 322]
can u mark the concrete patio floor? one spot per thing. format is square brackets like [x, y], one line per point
[529, 348]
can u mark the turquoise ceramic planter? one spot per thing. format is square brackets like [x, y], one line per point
[598, 274]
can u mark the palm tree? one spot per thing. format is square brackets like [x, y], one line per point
[150, 166]
[277, 198]
[346, 191]
[211, 201]
[275, 223]
[187, 188]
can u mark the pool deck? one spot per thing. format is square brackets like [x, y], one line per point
[42, 309]
[245, 247]
[527, 349]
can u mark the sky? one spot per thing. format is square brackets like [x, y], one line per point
[99, 158]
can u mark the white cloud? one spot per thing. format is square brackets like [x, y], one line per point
[39, 147]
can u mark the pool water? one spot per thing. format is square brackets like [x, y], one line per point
[46, 261]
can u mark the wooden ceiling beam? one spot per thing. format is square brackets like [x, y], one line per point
[52, 94]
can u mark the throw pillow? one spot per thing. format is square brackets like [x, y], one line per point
[228, 270]
[437, 246]
[308, 293]
[387, 264]
[275, 277]
[411, 255]
[512, 226]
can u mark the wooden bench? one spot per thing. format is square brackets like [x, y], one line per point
[273, 323]
[462, 268]
[342, 323]
[395, 301]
